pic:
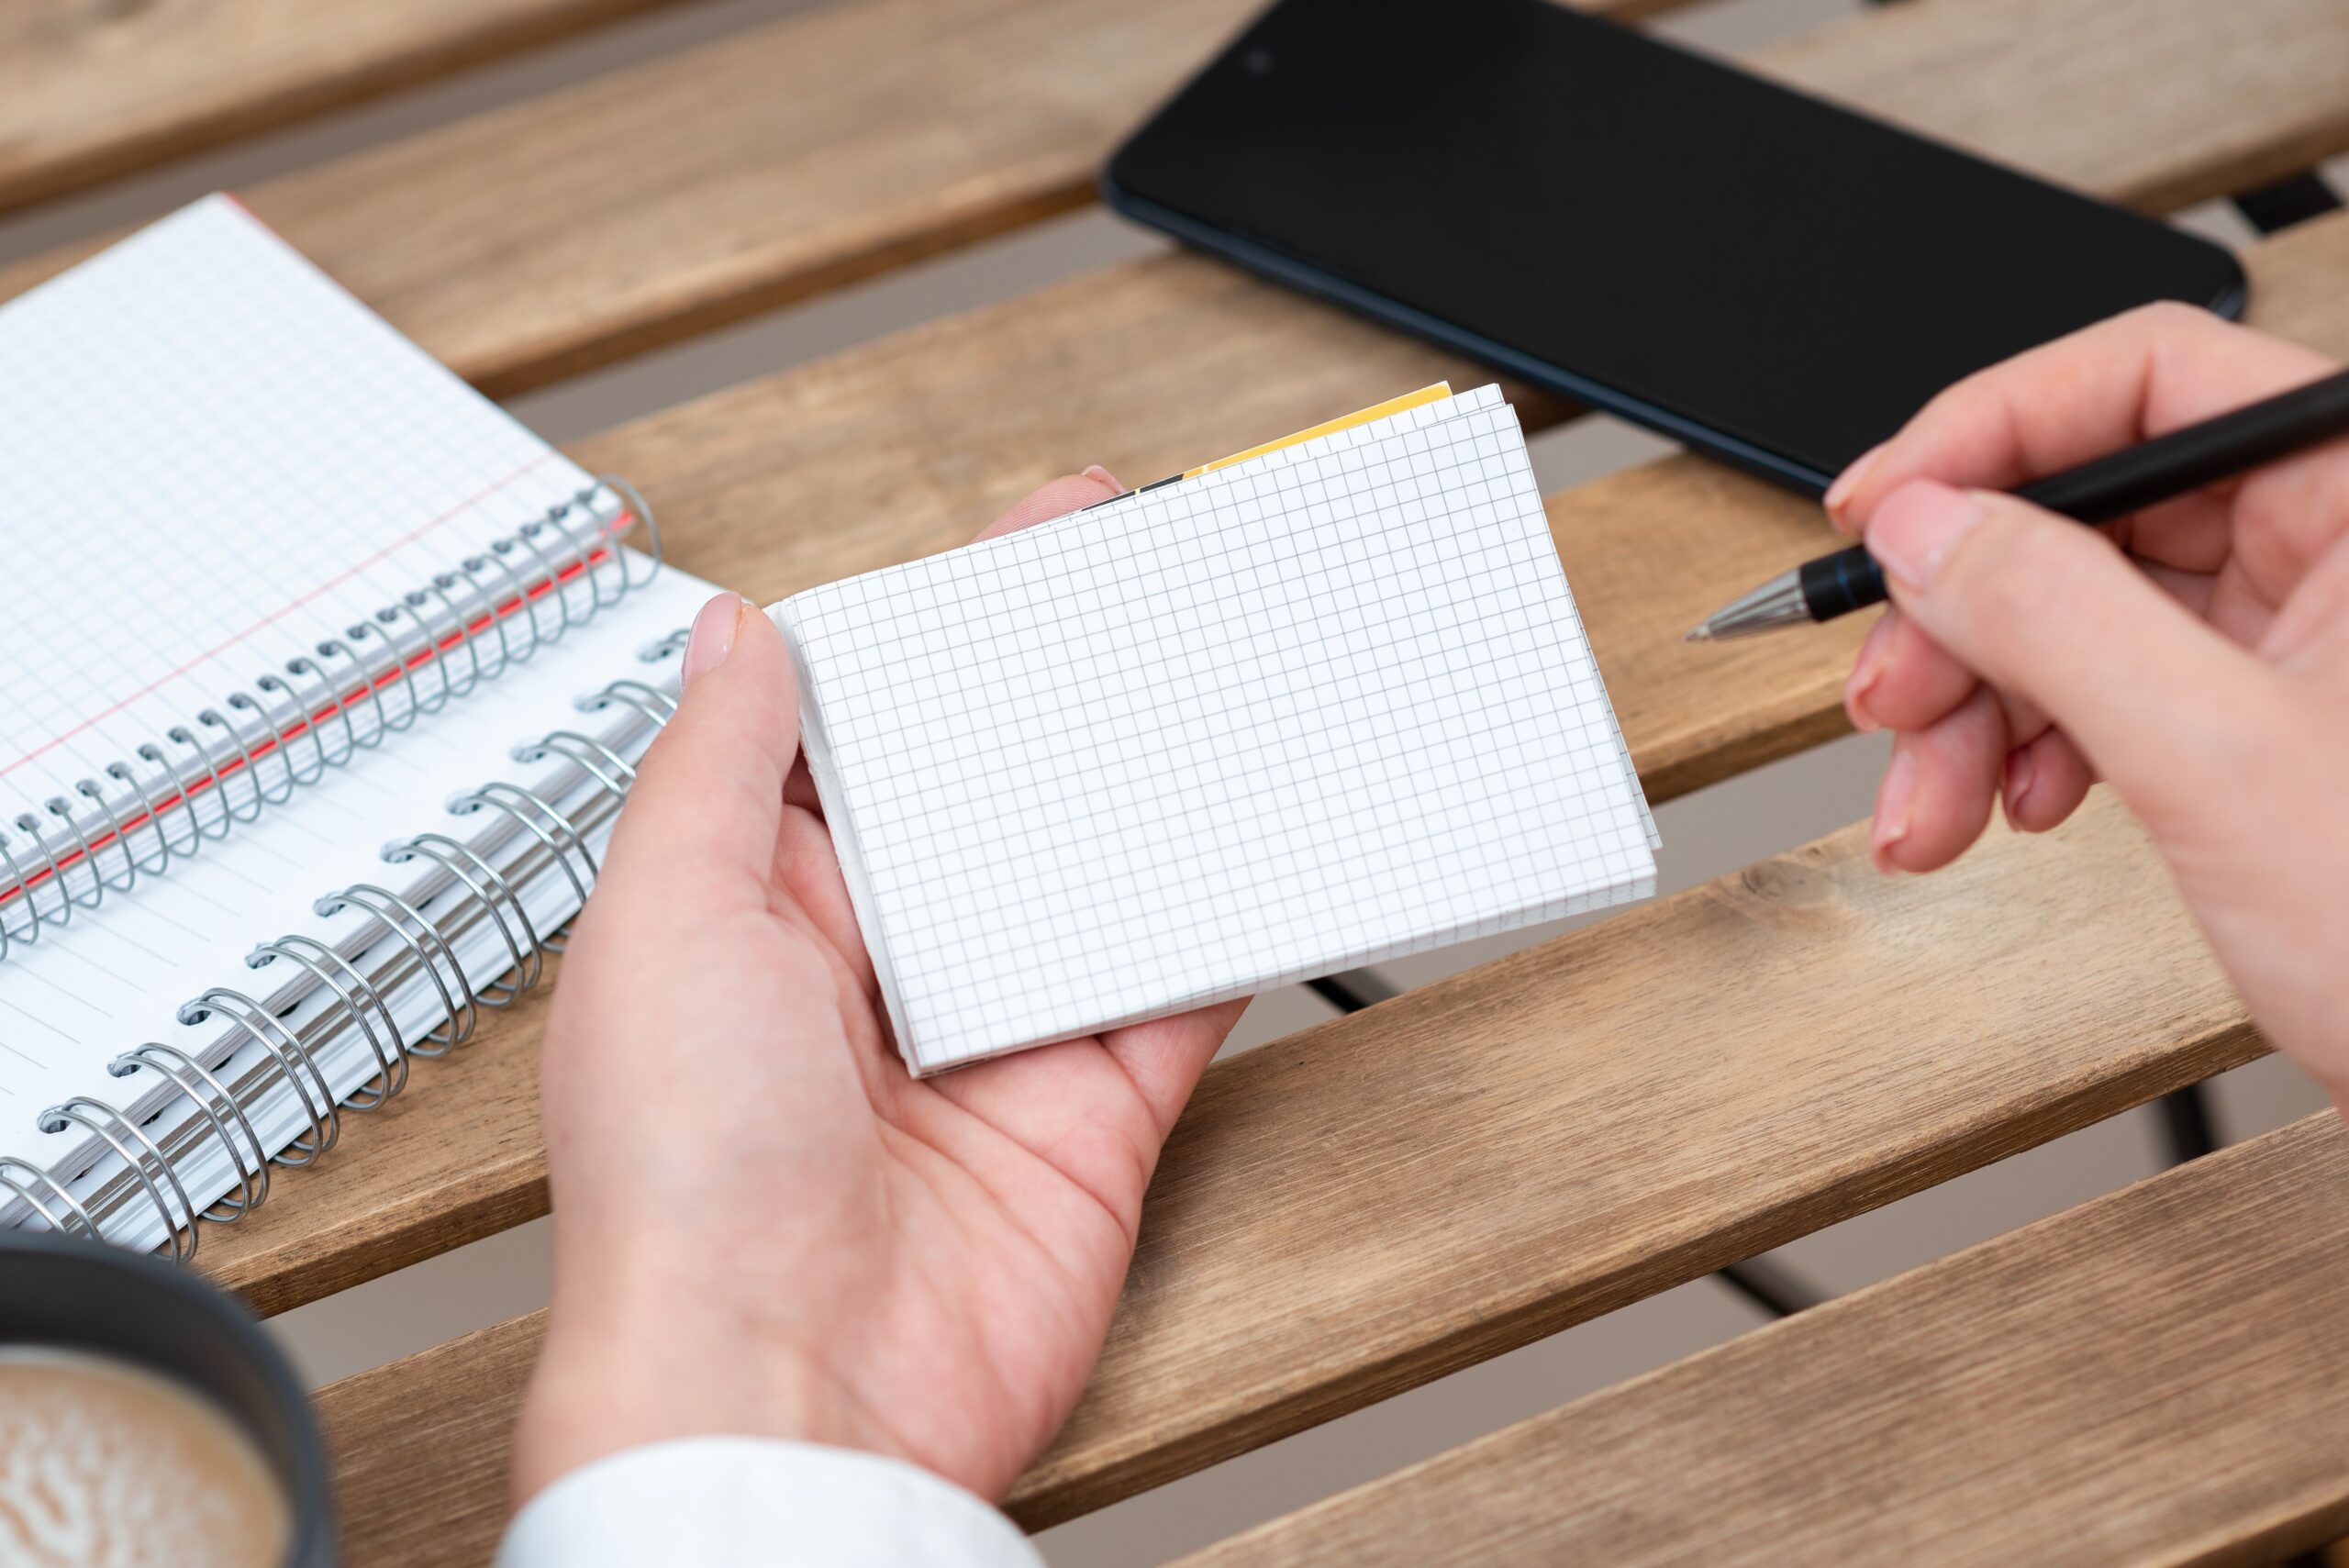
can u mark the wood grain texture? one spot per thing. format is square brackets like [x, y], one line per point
[1394, 1195]
[91, 89]
[888, 453]
[2154, 1377]
[582, 225]
[2096, 94]
[751, 504]
[657, 202]
[904, 447]
[449, 1413]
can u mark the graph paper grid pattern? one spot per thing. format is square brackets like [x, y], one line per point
[1324, 707]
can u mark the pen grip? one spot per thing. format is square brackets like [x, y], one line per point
[1839, 583]
[2123, 482]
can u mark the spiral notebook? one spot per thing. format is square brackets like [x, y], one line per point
[323, 681]
[1313, 708]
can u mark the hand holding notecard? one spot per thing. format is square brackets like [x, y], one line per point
[1311, 710]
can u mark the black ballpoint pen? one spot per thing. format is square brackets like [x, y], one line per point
[2097, 492]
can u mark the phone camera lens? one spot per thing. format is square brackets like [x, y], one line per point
[1257, 61]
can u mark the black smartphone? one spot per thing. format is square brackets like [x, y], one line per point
[1761, 274]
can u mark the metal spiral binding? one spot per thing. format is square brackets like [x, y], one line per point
[349, 987]
[483, 892]
[284, 1047]
[11, 1178]
[142, 1155]
[424, 942]
[219, 1109]
[275, 735]
[544, 823]
[494, 895]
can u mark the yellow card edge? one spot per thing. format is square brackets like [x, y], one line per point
[1425, 395]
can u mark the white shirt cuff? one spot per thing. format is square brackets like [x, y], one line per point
[759, 1501]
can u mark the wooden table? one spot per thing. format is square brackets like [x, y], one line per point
[1373, 1203]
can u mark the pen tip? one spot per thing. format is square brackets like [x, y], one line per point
[1702, 632]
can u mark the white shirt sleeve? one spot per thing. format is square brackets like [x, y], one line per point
[756, 1502]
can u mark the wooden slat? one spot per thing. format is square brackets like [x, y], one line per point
[1486, 1159]
[473, 1139]
[2063, 89]
[898, 449]
[741, 460]
[92, 89]
[585, 224]
[664, 200]
[2151, 1378]
[1522, 1147]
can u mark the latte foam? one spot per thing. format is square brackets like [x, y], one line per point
[105, 1464]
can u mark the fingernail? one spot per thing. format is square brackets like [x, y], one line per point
[1866, 670]
[1100, 475]
[1847, 484]
[1892, 810]
[712, 638]
[2022, 772]
[1918, 526]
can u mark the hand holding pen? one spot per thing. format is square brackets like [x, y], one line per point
[2102, 490]
[2195, 654]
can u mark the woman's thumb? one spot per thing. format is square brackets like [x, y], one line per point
[2044, 608]
[708, 795]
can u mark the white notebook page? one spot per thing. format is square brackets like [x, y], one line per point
[216, 461]
[1325, 707]
[219, 459]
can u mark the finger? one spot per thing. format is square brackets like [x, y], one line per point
[699, 830]
[1126, 1090]
[2312, 631]
[1164, 1057]
[2195, 590]
[2288, 520]
[1098, 1111]
[808, 868]
[2045, 781]
[1937, 793]
[2025, 722]
[2108, 387]
[799, 789]
[1070, 492]
[2194, 533]
[2051, 613]
[1902, 680]
[1866, 667]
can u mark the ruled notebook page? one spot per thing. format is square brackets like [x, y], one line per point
[1326, 706]
[218, 460]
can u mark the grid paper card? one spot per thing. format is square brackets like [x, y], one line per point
[1313, 710]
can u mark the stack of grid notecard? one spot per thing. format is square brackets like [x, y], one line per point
[1324, 705]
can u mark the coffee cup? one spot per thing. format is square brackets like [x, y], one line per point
[146, 1418]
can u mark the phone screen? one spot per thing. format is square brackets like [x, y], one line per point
[1769, 277]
